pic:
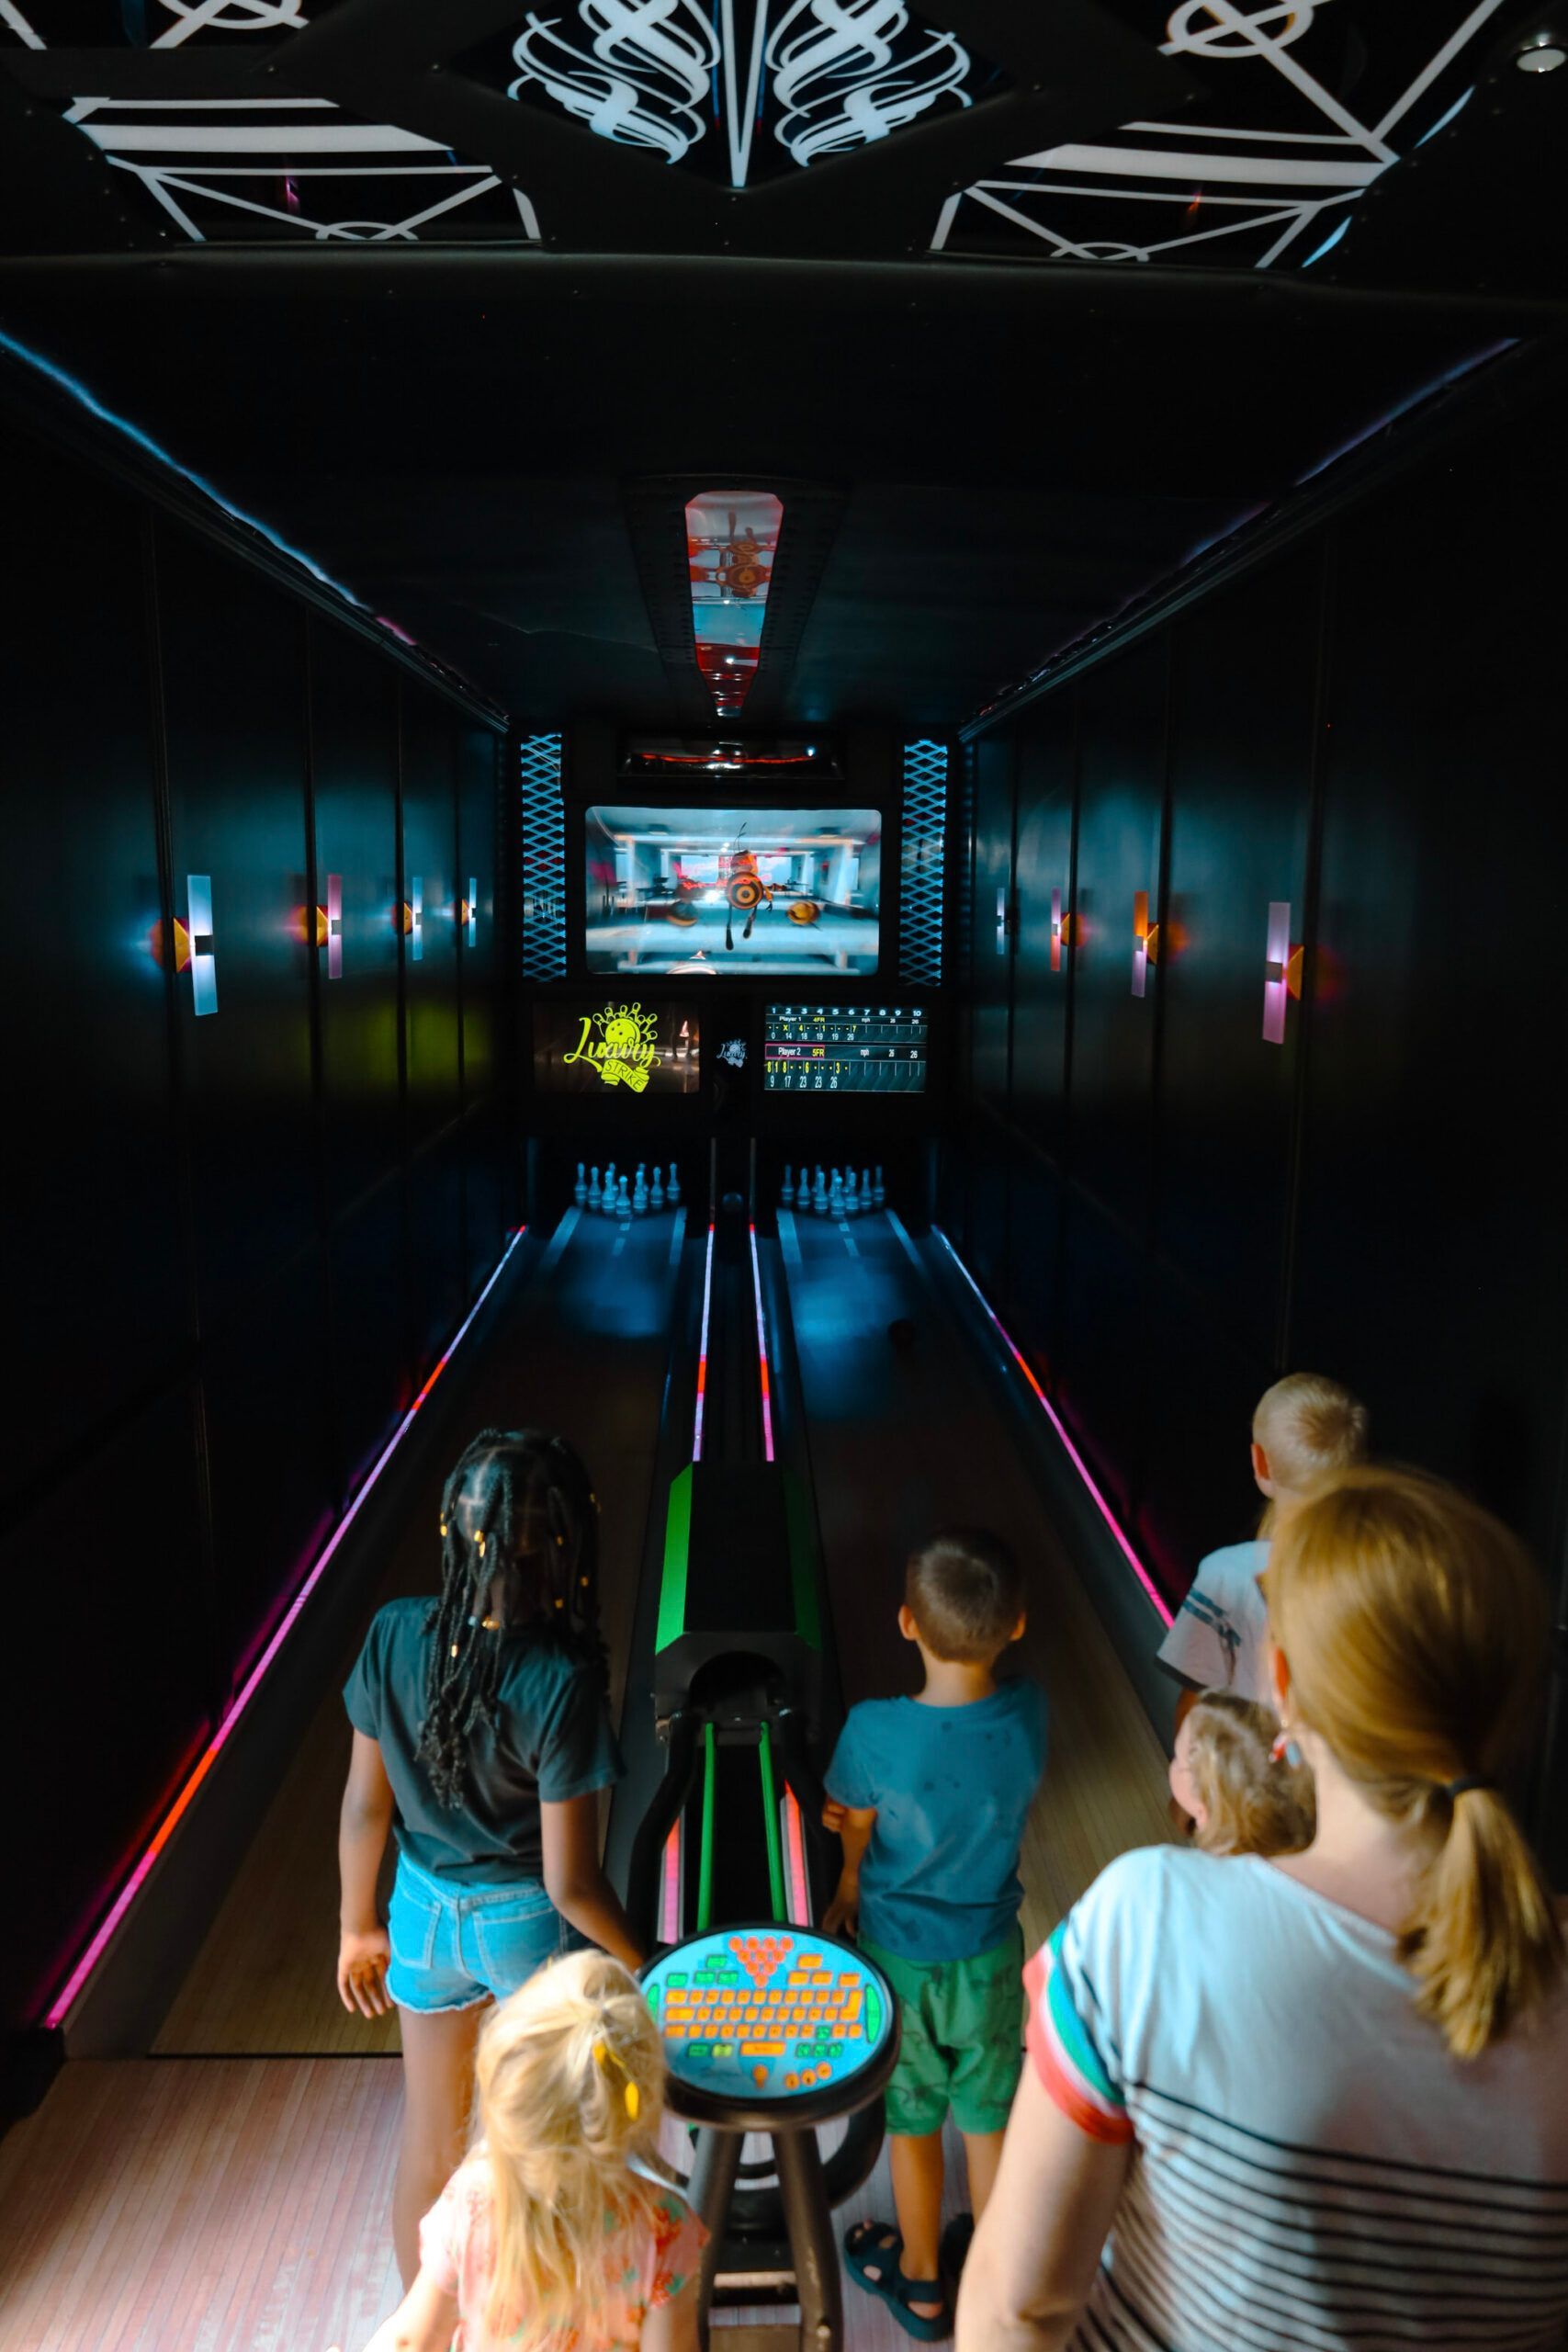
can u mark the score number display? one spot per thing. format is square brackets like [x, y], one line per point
[845, 1049]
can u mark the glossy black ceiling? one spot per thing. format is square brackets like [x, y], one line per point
[1023, 305]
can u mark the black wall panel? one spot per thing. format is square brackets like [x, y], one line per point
[1240, 787]
[353, 757]
[1043, 864]
[1435, 1222]
[1170, 1210]
[431, 1032]
[233, 690]
[95, 1284]
[110, 1698]
[1121, 796]
[478, 791]
[266, 1380]
[231, 1265]
[992, 945]
[372, 1318]
[437, 1267]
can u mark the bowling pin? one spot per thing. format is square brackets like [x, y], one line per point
[851, 1198]
[594, 1194]
[639, 1194]
[608, 1203]
[580, 1190]
[674, 1188]
[788, 1195]
[878, 1191]
[655, 1197]
[623, 1202]
[836, 1195]
[866, 1188]
[820, 1195]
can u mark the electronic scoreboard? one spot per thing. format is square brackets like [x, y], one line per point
[845, 1049]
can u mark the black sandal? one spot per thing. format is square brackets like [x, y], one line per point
[869, 2243]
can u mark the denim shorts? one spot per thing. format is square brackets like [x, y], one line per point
[454, 1945]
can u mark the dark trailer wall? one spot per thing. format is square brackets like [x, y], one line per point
[236, 1243]
[1367, 728]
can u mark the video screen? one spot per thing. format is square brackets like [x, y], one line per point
[845, 1049]
[600, 1043]
[696, 892]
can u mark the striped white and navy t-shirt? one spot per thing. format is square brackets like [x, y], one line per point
[1311, 2168]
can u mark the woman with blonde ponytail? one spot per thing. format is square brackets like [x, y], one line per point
[556, 2235]
[1318, 2100]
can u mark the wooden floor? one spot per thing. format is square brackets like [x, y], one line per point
[190, 2205]
[237, 2200]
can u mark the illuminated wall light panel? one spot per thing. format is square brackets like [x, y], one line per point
[416, 919]
[1002, 922]
[1057, 936]
[65, 2000]
[334, 926]
[1276, 969]
[471, 912]
[203, 959]
[1161, 1606]
[1145, 943]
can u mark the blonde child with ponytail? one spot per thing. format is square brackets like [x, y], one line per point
[1317, 2098]
[555, 2232]
[1238, 1780]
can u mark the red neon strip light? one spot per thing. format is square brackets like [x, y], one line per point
[1162, 1606]
[703, 1355]
[794, 1856]
[669, 1901]
[66, 1997]
[762, 1352]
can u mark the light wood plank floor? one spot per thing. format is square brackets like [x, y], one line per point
[218, 2205]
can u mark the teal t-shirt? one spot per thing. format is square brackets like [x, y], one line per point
[951, 1787]
[551, 1739]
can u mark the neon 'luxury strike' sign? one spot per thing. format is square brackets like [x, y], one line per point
[620, 1043]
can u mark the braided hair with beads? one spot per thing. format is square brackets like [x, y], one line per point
[519, 1555]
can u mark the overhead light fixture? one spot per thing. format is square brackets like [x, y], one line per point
[1542, 55]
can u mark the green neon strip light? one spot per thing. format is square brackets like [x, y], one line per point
[677, 1553]
[802, 1565]
[771, 1823]
[704, 1870]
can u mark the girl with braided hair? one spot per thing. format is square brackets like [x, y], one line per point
[480, 1741]
[557, 2232]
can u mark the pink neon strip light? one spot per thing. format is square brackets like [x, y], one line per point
[1162, 1606]
[66, 1997]
[703, 1355]
[762, 1352]
[670, 1899]
[795, 1859]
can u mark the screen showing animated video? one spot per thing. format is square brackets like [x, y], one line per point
[612, 1043]
[692, 892]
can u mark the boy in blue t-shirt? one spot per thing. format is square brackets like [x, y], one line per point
[930, 1795]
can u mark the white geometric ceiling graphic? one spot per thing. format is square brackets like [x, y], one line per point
[1274, 178]
[820, 77]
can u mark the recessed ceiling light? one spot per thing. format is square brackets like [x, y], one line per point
[1544, 56]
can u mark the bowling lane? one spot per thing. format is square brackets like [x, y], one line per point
[583, 1350]
[903, 1439]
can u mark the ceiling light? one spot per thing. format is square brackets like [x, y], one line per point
[1544, 55]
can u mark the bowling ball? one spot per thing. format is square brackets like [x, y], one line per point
[732, 1203]
[901, 1331]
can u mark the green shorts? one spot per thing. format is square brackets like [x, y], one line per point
[961, 2024]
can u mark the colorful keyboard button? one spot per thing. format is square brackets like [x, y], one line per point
[751, 2011]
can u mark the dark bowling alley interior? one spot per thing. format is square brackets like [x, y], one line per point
[830, 757]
